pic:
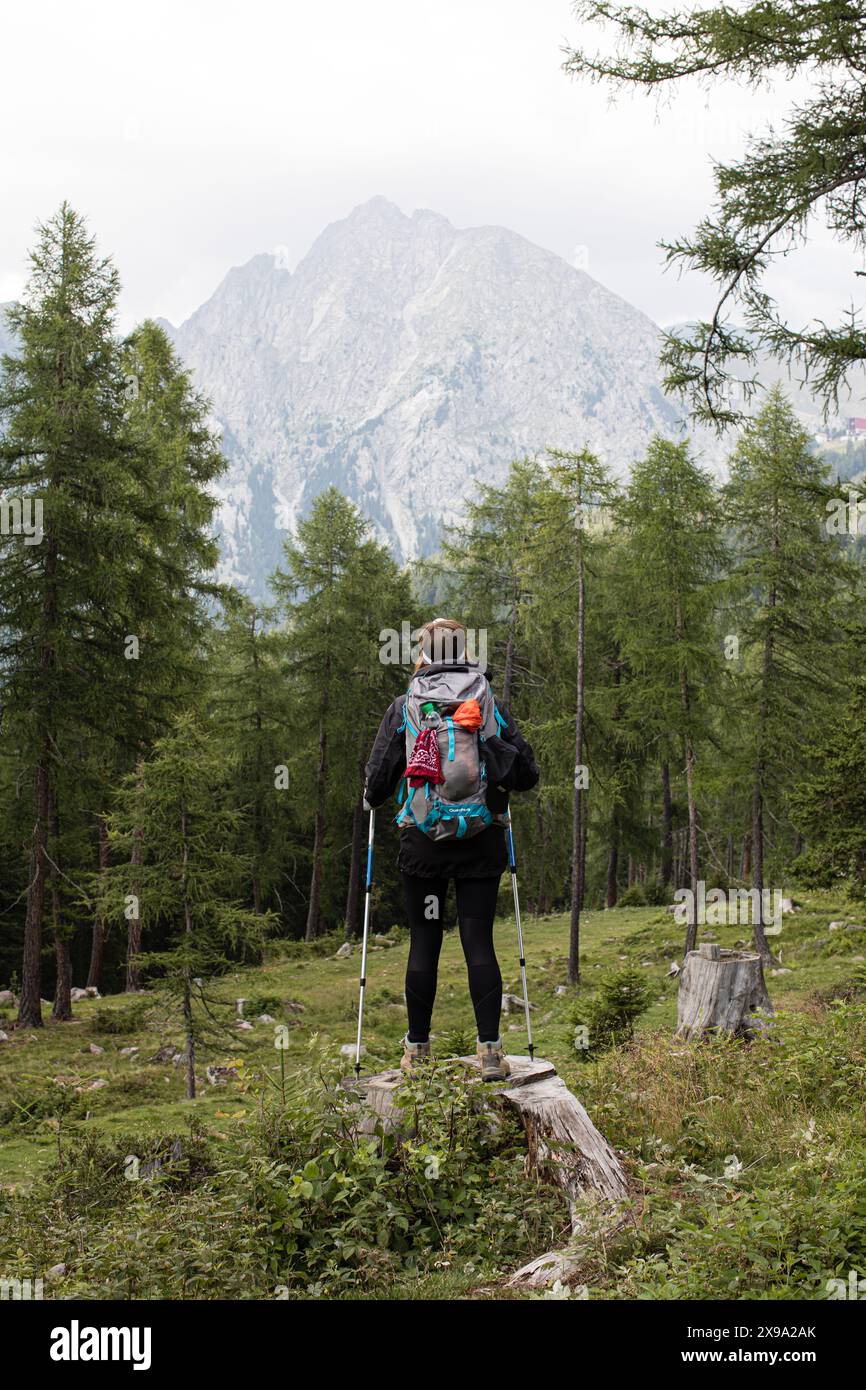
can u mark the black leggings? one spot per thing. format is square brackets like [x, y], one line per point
[476, 908]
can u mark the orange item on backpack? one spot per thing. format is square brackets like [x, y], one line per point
[468, 715]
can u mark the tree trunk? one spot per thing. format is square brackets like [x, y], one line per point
[62, 1010]
[577, 811]
[758, 934]
[353, 896]
[508, 675]
[188, 1022]
[313, 913]
[97, 945]
[189, 1032]
[541, 859]
[692, 929]
[746, 858]
[612, 870]
[133, 931]
[720, 992]
[667, 827]
[30, 1004]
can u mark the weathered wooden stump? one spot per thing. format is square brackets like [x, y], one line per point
[563, 1145]
[721, 992]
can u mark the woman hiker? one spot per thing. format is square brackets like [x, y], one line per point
[456, 757]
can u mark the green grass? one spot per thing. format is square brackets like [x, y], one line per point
[678, 1114]
[151, 1097]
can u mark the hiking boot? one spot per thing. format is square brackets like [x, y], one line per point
[414, 1054]
[495, 1066]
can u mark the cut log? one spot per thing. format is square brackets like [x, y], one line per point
[563, 1145]
[721, 992]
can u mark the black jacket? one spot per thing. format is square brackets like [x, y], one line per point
[511, 767]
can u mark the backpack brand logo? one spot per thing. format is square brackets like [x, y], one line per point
[77, 1343]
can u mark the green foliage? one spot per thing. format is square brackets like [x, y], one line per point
[633, 897]
[124, 1020]
[807, 168]
[609, 1014]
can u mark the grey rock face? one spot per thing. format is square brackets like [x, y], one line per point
[407, 362]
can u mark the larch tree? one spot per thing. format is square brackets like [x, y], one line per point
[671, 556]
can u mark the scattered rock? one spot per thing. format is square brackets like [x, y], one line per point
[646, 962]
[837, 926]
[239, 1007]
[91, 992]
[294, 1007]
[782, 970]
[675, 968]
[96, 1049]
[345, 950]
[7, 997]
[855, 926]
[242, 1023]
[56, 1271]
[221, 1076]
[561, 989]
[164, 1054]
[128, 1051]
[95, 1085]
[4, 1037]
[788, 906]
[266, 1018]
[179, 1059]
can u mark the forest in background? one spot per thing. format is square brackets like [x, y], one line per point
[181, 772]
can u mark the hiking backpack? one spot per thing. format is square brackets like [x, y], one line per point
[457, 807]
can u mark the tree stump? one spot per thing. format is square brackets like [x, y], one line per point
[563, 1145]
[721, 992]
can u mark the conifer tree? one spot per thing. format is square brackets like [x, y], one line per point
[672, 554]
[191, 876]
[789, 602]
[102, 612]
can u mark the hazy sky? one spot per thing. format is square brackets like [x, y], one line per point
[194, 135]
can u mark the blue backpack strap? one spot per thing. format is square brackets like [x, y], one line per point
[450, 722]
[500, 722]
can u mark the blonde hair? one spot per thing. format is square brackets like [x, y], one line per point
[429, 640]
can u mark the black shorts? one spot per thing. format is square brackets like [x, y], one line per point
[481, 856]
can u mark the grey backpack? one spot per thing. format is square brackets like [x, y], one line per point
[457, 807]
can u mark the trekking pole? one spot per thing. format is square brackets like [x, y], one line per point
[513, 866]
[367, 893]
